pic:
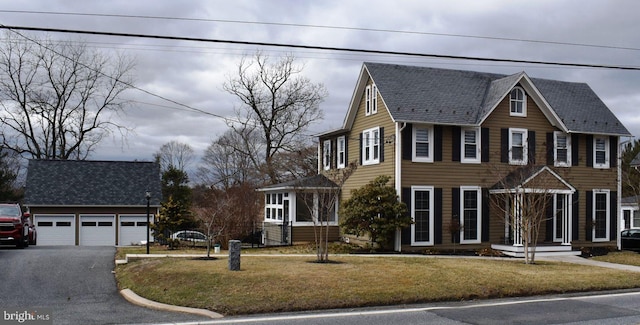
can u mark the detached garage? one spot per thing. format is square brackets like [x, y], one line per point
[92, 203]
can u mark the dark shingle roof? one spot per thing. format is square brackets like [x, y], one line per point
[442, 96]
[316, 181]
[92, 183]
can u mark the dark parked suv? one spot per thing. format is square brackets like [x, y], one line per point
[14, 225]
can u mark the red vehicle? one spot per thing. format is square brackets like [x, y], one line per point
[14, 225]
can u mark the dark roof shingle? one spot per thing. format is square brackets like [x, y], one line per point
[92, 183]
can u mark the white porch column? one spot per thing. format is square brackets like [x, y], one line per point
[517, 219]
[566, 219]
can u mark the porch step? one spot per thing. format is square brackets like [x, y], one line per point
[552, 250]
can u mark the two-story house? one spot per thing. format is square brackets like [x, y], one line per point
[449, 139]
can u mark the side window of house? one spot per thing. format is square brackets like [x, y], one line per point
[326, 154]
[518, 151]
[367, 101]
[471, 214]
[470, 145]
[423, 143]
[562, 149]
[341, 152]
[371, 146]
[518, 102]
[600, 231]
[422, 213]
[601, 152]
[371, 100]
[275, 204]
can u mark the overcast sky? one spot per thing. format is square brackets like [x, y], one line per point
[192, 73]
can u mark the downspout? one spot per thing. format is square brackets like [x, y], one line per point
[398, 178]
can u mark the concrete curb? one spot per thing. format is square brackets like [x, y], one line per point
[133, 298]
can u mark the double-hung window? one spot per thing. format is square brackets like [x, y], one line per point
[422, 143]
[470, 220]
[422, 213]
[341, 152]
[326, 154]
[371, 100]
[276, 206]
[518, 150]
[562, 149]
[470, 145]
[518, 102]
[601, 214]
[371, 146]
[601, 152]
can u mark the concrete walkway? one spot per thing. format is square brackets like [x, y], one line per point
[590, 262]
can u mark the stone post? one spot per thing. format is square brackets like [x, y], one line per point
[234, 255]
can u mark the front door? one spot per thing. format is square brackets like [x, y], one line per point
[562, 218]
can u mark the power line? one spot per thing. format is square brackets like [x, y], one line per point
[314, 47]
[323, 27]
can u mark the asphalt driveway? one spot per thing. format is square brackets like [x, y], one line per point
[76, 283]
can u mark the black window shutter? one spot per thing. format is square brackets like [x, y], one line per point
[456, 145]
[360, 151]
[575, 218]
[531, 143]
[407, 142]
[455, 212]
[613, 151]
[484, 145]
[334, 153]
[575, 149]
[346, 150]
[550, 148]
[549, 218]
[406, 231]
[485, 223]
[589, 150]
[613, 212]
[381, 143]
[437, 224]
[437, 146]
[504, 145]
[589, 216]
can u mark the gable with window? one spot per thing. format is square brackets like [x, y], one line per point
[518, 102]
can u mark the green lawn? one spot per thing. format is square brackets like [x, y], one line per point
[273, 284]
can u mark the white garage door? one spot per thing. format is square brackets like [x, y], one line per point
[55, 229]
[97, 230]
[133, 230]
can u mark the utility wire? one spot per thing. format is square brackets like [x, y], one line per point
[314, 47]
[322, 27]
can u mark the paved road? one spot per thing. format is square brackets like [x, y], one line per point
[77, 283]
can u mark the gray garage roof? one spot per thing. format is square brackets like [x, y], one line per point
[92, 183]
[442, 96]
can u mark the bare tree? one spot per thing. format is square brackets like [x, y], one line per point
[59, 98]
[177, 154]
[523, 196]
[213, 215]
[321, 201]
[276, 102]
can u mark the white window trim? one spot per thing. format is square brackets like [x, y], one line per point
[479, 209]
[371, 160]
[524, 103]
[568, 207]
[463, 159]
[326, 154]
[607, 155]
[277, 206]
[367, 101]
[525, 146]
[341, 152]
[415, 148]
[374, 99]
[430, 189]
[607, 215]
[557, 163]
[316, 206]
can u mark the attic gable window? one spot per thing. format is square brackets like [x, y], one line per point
[518, 102]
[601, 152]
[371, 100]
